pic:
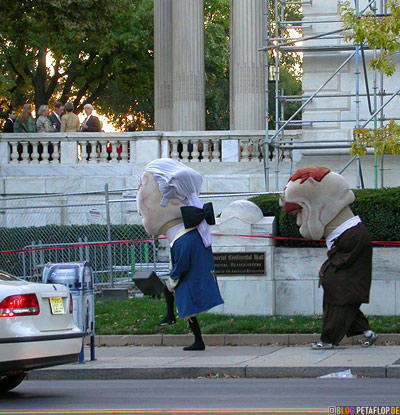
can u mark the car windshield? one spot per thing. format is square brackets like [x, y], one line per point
[7, 277]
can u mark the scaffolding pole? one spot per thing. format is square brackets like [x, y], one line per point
[280, 44]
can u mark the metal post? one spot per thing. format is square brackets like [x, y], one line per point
[109, 248]
[357, 100]
[278, 33]
[133, 260]
[311, 97]
[81, 258]
[266, 76]
[375, 88]
[87, 250]
[382, 9]
[154, 255]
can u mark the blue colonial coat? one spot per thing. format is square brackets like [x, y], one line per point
[193, 265]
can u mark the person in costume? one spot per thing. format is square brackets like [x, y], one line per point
[168, 201]
[321, 200]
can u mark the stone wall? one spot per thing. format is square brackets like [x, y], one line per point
[289, 285]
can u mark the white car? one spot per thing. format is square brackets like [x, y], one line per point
[36, 328]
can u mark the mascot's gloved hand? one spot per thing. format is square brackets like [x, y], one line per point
[171, 284]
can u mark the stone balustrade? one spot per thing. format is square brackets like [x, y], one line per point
[94, 148]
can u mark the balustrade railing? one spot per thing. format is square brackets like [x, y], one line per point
[93, 148]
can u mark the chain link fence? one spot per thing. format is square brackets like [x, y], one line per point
[100, 227]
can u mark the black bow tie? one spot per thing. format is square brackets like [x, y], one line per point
[193, 216]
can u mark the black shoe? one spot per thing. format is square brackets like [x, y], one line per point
[167, 321]
[195, 346]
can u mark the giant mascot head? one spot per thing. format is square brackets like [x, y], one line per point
[316, 195]
[164, 188]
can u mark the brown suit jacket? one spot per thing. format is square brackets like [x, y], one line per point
[346, 274]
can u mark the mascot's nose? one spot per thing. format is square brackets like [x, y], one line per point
[291, 207]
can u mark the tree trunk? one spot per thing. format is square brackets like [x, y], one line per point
[39, 81]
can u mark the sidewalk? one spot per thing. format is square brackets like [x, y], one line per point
[251, 359]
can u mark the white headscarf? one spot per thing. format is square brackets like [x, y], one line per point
[175, 180]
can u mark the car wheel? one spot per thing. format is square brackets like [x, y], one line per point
[10, 381]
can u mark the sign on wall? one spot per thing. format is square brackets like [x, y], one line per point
[239, 263]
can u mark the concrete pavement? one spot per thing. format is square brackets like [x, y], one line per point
[252, 356]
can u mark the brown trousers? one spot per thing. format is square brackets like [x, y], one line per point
[341, 320]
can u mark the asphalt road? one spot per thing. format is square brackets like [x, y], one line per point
[202, 396]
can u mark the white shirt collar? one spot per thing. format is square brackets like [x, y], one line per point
[350, 223]
[171, 232]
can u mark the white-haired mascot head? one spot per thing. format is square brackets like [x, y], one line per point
[168, 201]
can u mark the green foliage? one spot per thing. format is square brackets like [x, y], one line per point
[128, 99]
[382, 140]
[269, 204]
[102, 53]
[375, 31]
[291, 12]
[379, 209]
[92, 44]
[217, 49]
[216, 60]
[291, 85]
[140, 316]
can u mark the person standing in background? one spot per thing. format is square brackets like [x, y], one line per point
[69, 121]
[25, 123]
[9, 125]
[91, 123]
[43, 124]
[55, 117]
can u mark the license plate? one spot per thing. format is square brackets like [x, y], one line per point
[56, 305]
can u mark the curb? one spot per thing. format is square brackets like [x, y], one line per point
[83, 373]
[228, 339]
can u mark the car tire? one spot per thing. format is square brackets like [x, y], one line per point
[10, 382]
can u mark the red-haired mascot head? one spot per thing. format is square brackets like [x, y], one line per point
[316, 195]
[321, 200]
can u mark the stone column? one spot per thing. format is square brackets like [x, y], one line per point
[163, 65]
[188, 65]
[247, 95]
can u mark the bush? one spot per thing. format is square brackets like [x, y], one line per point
[379, 209]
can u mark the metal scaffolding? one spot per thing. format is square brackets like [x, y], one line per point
[278, 43]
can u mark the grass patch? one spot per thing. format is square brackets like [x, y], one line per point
[140, 316]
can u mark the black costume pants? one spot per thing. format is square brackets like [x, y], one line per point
[341, 320]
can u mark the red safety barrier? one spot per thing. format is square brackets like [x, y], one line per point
[53, 248]
[284, 238]
[279, 238]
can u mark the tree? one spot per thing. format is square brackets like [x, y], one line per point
[93, 45]
[101, 52]
[216, 58]
[379, 32]
[217, 49]
[376, 31]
